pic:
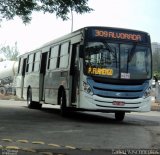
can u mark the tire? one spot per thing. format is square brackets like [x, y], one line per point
[37, 105]
[31, 104]
[119, 116]
[62, 103]
[2, 91]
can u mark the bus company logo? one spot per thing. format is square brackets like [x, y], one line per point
[118, 94]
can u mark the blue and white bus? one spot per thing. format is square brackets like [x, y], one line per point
[100, 69]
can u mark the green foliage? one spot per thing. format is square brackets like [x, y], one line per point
[24, 8]
[11, 53]
[156, 63]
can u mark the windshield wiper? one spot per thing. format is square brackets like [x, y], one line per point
[130, 55]
[111, 51]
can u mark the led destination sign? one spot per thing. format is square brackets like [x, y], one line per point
[118, 35]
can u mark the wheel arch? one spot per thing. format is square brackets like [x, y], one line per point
[60, 90]
[28, 88]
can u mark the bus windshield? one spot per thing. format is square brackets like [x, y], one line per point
[114, 60]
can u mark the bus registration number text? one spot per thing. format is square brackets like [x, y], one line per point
[118, 103]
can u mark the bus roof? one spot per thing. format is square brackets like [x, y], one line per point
[76, 32]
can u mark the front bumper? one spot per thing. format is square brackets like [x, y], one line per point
[98, 103]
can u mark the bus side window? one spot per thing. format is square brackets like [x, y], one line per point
[20, 66]
[53, 56]
[27, 64]
[23, 65]
[34, 55]
[30, 63]
[36, 61]
[49, 57]
[64, 55]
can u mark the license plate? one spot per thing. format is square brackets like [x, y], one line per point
[118, 103]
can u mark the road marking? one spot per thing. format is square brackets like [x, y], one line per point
[42, 143]
[28, 150]
[12, 147]
[54, 145]
[46, 153]
[22, 141]
[70, 147]
[38, 142]
[64, 131]
[7, 140]
[86, 149]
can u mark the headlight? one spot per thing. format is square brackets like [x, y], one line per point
[87, 88]
[147, 92]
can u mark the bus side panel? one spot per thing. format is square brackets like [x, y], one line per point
[53, 81]
[51, 87]
[32, 80]
[19, 86]
[57, 73]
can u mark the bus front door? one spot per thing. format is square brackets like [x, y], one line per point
[42, 75]
[75, 75]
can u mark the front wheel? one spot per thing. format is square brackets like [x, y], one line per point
[119, 116]
[3, 91]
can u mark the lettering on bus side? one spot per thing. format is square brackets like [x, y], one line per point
[100, 71]
[118, 35]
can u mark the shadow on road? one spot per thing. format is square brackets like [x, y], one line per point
[85, 117]
[103, 118]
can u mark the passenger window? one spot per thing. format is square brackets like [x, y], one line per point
[36, 61]
[64, 55]
[30, 63]
[53, 56]
[20, 66]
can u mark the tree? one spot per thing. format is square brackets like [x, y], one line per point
[11, 53]
[156, 62]
[24, 8]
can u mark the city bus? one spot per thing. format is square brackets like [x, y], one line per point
[100, 69]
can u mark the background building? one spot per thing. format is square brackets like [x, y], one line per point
[155, 47]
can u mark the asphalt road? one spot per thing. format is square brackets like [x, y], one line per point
[30, 131]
